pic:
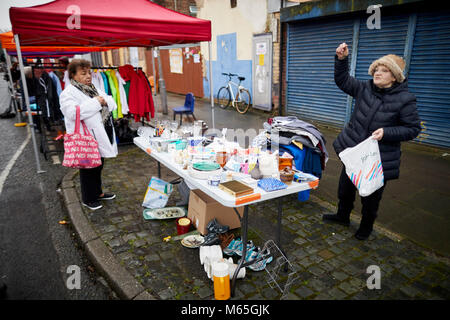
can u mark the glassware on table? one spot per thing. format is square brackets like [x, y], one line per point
[174, 126]
[222, 158]
[146, 132]
[198, 125]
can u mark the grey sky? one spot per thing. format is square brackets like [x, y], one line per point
[5, 23]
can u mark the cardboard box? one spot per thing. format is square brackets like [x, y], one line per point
[202, 209]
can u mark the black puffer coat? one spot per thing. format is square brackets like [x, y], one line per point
[393, 109]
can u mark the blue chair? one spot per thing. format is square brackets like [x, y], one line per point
[187, 109]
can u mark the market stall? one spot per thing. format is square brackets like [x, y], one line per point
[139, 23]
[231, 176]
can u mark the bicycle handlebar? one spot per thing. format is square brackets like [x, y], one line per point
[230, 74]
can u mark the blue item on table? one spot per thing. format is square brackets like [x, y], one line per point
[271, 184]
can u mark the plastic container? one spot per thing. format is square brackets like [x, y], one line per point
[285, 161]
[183, 225]
[303, 195]
[287, 175]
[221, 278]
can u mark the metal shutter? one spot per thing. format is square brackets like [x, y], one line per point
[311, 91]
[375, 43]
[429, 77]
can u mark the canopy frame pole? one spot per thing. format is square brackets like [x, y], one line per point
[211, 85]
[162, 85]
[154, 86]
[31, 125]
[11, 83]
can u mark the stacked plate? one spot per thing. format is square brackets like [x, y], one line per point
[204, 169]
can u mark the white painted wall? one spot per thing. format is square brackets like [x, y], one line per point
[246, 19]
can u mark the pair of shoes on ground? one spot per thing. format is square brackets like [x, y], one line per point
[95, 205]
[361, 234]
[236, 247]
[215, 229]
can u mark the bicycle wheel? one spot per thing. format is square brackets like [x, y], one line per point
[243, 101]
[223, 97]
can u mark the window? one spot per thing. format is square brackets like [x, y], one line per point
[193, 10]
[233, 3]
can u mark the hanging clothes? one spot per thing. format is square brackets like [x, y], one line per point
[114, 92]
[123, 96]
[149, 106]
[56, 82]
[47, 98]
[97, 80]
[66, 79]
[105, 83]
[140, 102]
[118, 99]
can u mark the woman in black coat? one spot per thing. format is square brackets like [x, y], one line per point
[384, 109]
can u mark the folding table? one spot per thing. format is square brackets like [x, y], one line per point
[228, 200]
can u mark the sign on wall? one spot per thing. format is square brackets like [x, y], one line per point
[176, 60]
[262, 72]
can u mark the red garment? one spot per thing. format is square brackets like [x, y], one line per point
[140, 101]
[149, 106]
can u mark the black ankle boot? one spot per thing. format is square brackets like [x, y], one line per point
[336, 219]
[362, 234]
[211, 239]
[215, 227]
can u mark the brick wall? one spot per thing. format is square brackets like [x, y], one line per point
[276, 67]
[283, 82]
[182, 5]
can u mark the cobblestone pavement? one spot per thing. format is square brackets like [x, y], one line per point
[330, 262]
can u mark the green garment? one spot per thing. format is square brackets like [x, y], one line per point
[126, 86]
[114, 86]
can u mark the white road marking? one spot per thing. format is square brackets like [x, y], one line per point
[11, 162]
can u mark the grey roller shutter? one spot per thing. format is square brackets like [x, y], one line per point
[429, 76]
[311, 91]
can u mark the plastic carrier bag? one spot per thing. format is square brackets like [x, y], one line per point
[157, 194]
[363, 166]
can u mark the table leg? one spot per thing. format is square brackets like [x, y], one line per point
[244, 228]
[280, 213]
[159, 170]
[279, 229]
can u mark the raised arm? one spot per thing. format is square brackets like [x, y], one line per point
[343, 79]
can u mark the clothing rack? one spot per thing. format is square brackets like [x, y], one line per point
[49, 144]
[48, 140]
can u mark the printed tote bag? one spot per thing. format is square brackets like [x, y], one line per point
[80, 150]
[363, 166]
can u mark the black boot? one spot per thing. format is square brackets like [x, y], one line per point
[3, 289]
[215, 227]
[335, 218]
[365, 227]
[211, 239]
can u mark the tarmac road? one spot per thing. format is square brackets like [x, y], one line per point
[35, 250]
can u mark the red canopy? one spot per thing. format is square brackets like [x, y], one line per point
[124, 23]
[8, 43]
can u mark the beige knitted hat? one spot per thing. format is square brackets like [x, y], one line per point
[394, 63]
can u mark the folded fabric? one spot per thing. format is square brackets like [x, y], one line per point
[292, 123]
[297, 153]
[271, 184]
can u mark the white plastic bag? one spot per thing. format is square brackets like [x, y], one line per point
[363, 166]
[157, 194]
